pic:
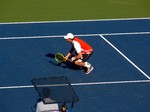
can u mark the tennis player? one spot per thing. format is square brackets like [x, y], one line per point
[83, 51]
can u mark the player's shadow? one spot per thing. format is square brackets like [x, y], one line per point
[66, 64]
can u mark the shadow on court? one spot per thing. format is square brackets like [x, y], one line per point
[64, 65]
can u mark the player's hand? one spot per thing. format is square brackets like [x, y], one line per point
[65, 58]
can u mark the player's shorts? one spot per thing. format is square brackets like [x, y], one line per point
[85, 57]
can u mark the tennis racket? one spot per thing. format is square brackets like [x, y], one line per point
[60, 57]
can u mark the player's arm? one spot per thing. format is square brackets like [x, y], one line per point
[78, 49]
[70, 52]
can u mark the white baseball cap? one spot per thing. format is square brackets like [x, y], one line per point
[69, 36]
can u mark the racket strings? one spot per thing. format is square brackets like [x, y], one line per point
[59, 57]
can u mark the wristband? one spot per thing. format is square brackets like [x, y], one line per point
[73, 58]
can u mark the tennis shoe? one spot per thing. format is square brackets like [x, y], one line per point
[89, 70]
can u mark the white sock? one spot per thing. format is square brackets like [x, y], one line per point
[88, 65]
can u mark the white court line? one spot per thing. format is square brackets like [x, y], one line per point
[83, 84]
[30, 37]
[125, 57]
[58, 36]
[71, 21]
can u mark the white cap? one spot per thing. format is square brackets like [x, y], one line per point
[69, 36]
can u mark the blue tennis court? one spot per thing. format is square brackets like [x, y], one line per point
[119, 82]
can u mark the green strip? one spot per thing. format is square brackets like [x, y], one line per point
[49, 10]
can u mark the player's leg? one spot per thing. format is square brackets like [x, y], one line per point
[87, 67]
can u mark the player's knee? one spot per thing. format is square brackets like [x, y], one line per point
[76, 62]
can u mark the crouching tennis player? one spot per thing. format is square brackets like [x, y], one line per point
[82, 50]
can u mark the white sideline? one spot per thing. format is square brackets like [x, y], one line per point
[82, 84]
[59, 36]
[68, 21]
